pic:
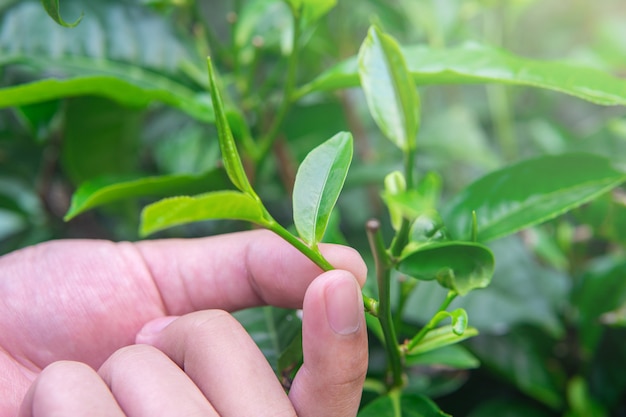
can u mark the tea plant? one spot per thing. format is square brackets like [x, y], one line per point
[421, 238]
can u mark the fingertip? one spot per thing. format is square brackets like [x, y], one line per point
[334, 347]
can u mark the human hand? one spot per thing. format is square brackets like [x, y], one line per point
[81, 305]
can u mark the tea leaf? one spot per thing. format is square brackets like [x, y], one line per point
[453, 356]
[529, 193]
[473, 63]
[230, 155]
[389, 89]
[458, 266]
[319, 181]
[128, 92]
[440, 337]
[312, 10]
[398, 404]
[216, 205]
[105, 190]
[52, 7]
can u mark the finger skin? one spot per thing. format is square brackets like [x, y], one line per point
[84, 299]
[146, 383]
[224, 362]
[69, 389]
[330, 381]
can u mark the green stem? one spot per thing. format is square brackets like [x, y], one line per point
[383, 278]
[265, 143]
[431, 324]
[313, 255]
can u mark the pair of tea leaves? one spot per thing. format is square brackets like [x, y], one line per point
[318, 184]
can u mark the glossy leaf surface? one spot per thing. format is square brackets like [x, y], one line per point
[458, 266]
[52, 7]
[319, 181]
[389, 89]
[230, 155]
[135, 66]
[473, 63]
[412, 405]
[106, 190]
[216, 205]
[529, 193]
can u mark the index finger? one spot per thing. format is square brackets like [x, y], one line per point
[238, 270]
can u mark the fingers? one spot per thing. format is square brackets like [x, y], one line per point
[239, 270]
[224, 362]
[69, 389]
[330, 382]
[146, 383]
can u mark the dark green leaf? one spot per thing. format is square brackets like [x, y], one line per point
[273, 329]
[216, 205]
[230, 155]
[52, 7]
[603, 280]
[529, 193]
[105, 190]
[411, 405]
[508, 408]
[473, 63]
[319, 181]
[523, 291]
[390, 92]
[135, 66]
[524, 357]
[458, 266]
[101, 138]
[440, 337]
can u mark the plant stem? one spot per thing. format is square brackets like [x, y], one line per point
[370, 305]
[313, 255]
[265, 143]
[431, 324]
[383, 278]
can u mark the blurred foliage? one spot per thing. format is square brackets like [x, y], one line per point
[552, 321]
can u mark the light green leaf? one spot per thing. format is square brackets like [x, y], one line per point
[125, 92]
[216, 205]
[453, 356]
[230, 155]
[458, 266]
[473, 63]
[529, 193]
[319, 181]
[105, 190]
[52, 7]
[440, 337]
[389, 90]
[394, 184]
[311, 10]
[398, 404]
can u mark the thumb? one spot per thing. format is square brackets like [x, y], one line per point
[334, 341]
